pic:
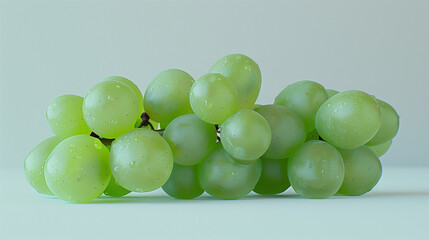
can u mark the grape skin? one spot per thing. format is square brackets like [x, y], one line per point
[65, 117]
[78, 169]
[141, 160]
[34, 164]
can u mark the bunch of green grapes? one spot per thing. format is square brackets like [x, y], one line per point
[191, 136]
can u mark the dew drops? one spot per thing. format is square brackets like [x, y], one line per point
[118, 86]
[97, 144]
[109, 97]
[323, 171]
[248, 68]
[132, 164]
[116, 169]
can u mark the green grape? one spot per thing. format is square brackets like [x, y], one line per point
[65, 117]
[389, 124]
[34, 164]
[362, 171]
[110, 109]
[167, 96]
[287, 129]
[133, 87]
[331, 92]
[245, 75]
[303, 98]
[163, 125]
[245, 135]
[190, 138]
[213, 98]
[114, 189]
[316, 170]
[222, 177]
[78, 169]
[256, 106]
[381, 149]
[313, 135]
[183, 182]
[348, 119]
[273, 178]
[141, 160]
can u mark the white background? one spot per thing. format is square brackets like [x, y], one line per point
[50, 48]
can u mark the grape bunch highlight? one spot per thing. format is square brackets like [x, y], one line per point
[191, 136]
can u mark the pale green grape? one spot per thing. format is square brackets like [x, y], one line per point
[389, 124]
[183, 182]
[110, 109]
[141, 160]
[222, 177]
[78, 169]
[273, 178]
[213, 98]
[381, 149]
[245, 75]
[316, 170]
[245, 135]
[362, 171]
[34, 164]
[167, 96]
[331, 92]
[287, 130]
[256, 106]
[348, 119]
[303, 98]
[190, 138]
[114, 189]
[313, 135]
[131, 85]
[65, 117]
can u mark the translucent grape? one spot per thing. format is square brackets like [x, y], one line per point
[273, 178]
[316, 170]
[389, 124]
[245, 135]
[131, 85]
[348, 119]
[183, 182]
[167, 96]
[78, 169]
[245, 75]
[34, 164]
[141, 160]
[362, 171]
[110, 109]
[213, 98]
[65, 118]
[114, 189]
[331, 92]
[287, 130]
[190, 138]
[222, 177]
[381, 149]
[303, 98]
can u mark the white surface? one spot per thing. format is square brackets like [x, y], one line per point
[51, 47]
[397, 208]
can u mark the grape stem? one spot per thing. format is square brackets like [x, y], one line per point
[145, 121]
[105, 141]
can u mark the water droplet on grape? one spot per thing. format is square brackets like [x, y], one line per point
[248, 68]
[323, 171]
[118, 86]
[132, 164]
[116, 169]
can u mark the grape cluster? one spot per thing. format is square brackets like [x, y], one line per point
[190, 136]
